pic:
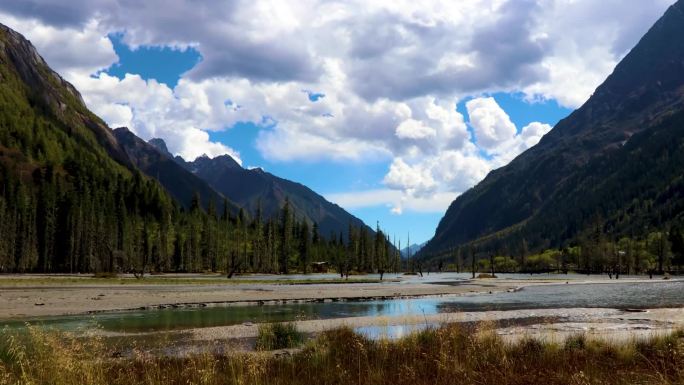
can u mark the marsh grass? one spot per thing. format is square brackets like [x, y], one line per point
[274, 336]
[448, 355]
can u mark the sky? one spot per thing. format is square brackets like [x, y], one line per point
[390, 109]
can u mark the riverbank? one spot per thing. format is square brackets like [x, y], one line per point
[548, 324]
[22, 298]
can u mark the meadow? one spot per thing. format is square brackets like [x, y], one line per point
[451, 354]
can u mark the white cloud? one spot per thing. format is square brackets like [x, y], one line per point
[490, 122]
[153, 110]
[284, 145]
[396, 201]
[72, 52]
[391, 71]
[449, 171]
[413, 129]
[416, 179]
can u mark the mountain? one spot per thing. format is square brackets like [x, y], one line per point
[614, 164]
[255, 189]
[76, 196]
[413, 249]
[155, 161]
[69, 195]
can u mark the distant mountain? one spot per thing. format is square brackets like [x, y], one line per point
[413, 249]
[155, 161]
[615, 164]
[255, 189]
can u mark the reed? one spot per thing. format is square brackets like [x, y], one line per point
[451, 354]
[274, 336]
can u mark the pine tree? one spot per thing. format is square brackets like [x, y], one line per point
[286, 237]
[305, 248]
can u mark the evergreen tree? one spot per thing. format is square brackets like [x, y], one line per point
[285, 237]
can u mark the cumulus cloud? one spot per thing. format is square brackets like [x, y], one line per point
[391, 72]
[390, 49]
[72, 52]
[415, 179]
[395, 200]
[414, 129]
[454, 170]
[490, 122]
[153, 110]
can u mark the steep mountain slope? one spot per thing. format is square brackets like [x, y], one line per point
[160, 165]
[69, 195]
[31, 89]
[616, 162]
[259, 190]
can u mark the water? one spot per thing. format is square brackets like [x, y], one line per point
[624, 295]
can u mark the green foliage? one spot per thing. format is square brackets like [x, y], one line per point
[505, 264]
[548, 260]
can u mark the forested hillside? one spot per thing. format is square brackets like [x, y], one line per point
[613, 169]
[72, 199]
[68, 196]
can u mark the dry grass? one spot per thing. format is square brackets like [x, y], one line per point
[448, 355]
[278, 336]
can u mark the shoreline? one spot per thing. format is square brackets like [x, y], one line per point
[20, 303]
[24, 302]
[599, 321]
[548, 325]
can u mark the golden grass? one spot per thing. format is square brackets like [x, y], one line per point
[448, 355]
[274, 336]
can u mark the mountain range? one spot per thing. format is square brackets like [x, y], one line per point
[261, 193]
[179, 182]
[78, 196]
[615, 165]
[221, 179]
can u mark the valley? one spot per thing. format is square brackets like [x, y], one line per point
[146, 244]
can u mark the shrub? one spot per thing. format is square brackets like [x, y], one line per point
[576, 342]
[278, 336]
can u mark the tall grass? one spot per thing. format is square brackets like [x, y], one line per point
[448, 355]
[278, 336]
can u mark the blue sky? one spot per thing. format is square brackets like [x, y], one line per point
[388, 108]
[167, 65]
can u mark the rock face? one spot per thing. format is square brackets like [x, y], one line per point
[611, 163]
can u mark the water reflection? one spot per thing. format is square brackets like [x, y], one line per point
[626, 295]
